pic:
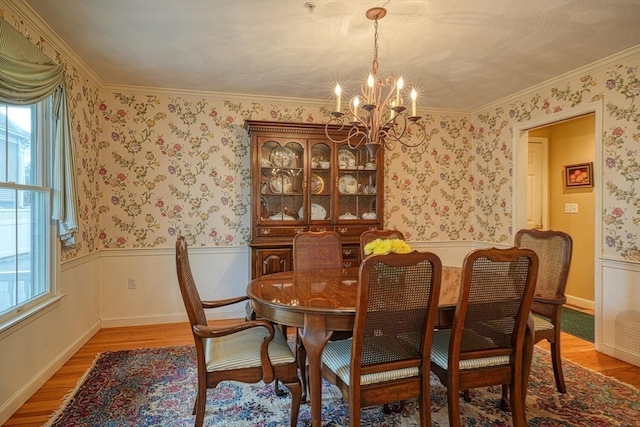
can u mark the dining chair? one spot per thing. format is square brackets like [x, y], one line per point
[247, 352]
[371, 235]
[387, 359]
[314, 250]
[554, 254]
[488, 343]
[317, 250]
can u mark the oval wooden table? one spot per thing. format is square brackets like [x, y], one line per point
[321, 302]
[318, 301]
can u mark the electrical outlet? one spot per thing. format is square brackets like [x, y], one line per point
[570, 208]
[132, 283]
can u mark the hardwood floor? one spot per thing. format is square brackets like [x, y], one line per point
[41, 405]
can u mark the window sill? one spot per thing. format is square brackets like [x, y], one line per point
[23, 319]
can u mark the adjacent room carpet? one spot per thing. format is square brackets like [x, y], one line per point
[156, 387]
[577, 323]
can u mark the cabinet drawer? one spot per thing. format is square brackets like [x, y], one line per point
[263, 231]
[353, 230]
[321, 228]
[350, 255]
[350, 252]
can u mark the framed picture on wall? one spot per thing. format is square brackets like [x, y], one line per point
[580, 175]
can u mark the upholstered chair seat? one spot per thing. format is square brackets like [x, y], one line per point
[242, 350]
[337, 357]
[440, 351]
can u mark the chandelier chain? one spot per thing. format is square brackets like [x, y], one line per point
[374, 66]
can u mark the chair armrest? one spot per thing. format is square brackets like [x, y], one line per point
[223, 302]
[215, 332]
[554, 301]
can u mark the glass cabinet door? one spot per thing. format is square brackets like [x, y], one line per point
[320, 179]
[357, 186]
[282, 180]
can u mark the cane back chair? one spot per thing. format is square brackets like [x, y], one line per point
[489, 343]
[554, 254]
[387, 358]
[314, 250]
[247, 352]
[317, 250]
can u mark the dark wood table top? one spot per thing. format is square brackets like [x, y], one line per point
[285, 297]
[332, 291]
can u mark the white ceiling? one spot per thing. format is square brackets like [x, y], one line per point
[460, 54]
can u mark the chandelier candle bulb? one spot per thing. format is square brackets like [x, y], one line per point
[356, 103]
[414, 97]
[400, 85]
[338, 96]
[370, 83]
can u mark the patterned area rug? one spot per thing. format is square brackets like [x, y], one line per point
[156, 387]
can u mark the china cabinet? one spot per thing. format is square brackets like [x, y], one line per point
[300, 181]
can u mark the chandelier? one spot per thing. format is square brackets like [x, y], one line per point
[378, 116]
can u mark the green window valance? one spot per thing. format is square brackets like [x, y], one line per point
[27, 76]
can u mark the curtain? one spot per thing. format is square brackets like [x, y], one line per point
[28, 76]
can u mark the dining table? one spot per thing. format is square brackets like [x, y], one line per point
[319, 302]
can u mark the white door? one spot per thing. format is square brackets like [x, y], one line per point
[536, 184]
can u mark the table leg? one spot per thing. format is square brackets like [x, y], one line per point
[314, 337]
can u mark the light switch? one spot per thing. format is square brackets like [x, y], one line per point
[570, 208]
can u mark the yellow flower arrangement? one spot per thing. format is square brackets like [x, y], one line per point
[384, 246]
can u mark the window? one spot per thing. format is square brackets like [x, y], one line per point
[25, 198]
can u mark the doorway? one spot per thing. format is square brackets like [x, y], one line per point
[570, 209]
[556, 201]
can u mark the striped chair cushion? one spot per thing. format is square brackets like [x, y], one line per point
[242, 350]
[440, 353]
[337, 357]
[541, 324]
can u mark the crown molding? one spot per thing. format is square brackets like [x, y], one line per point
[317, 103]
[594, 67]
[21, 8]
[213, 94]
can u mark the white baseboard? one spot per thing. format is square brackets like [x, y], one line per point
[38, 380]
[622, 354]
[580, 302]
[170, 318]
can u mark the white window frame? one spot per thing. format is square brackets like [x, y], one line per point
[42, 136]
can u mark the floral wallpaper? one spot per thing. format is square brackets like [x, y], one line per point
[428, 188]
[617, 86]
[152, 167]
[174, 166]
